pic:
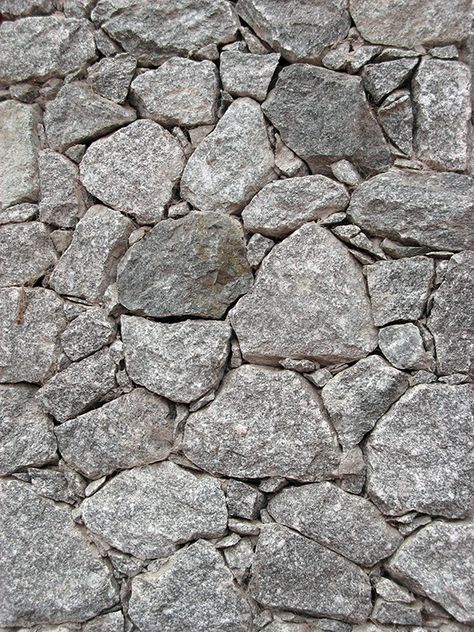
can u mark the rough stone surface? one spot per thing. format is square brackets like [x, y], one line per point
[20, 8]
[87, 333]
[246, 75]
[244, 500]
[403, 347]
[381, 79]
[395, 115]
[111, 76]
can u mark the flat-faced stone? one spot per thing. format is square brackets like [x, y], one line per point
[87, 333]
[23, 8]
[380, 79]
[193, 266]
[323, 116]
[427, 208]
[231, 164]
[49, 571]
[418, 455]
[246, 75]
[109, 622]
[134, 170]
[263, 422]
[403, 347]
[395, 115]
[148, 511]
[309, 278]
[111, 76]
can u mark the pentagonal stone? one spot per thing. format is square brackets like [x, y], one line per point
[87, 333]
[111, 76]
[246, 75]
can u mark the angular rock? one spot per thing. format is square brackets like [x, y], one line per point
[357, 397]
[380, 79]
[284, 577]
[345, 172]
[87, 333]
[298, 29]
[310, 107]
[392, 613]
[111, 76]
[89, 264]
[309, 278]
[395, 115]
[193, 591]
[287, 162]
[257, 248]
[63, 485]
[58, 576]
[78, 115]
[24, 8]
[418, 455]
[392, 592]
[283, 206]
[442, 105]
[403, 347]
[263, 422]
[134, 170]
[244, 500]
[148, 511]
[180, 361]
[427, 208]
[19, 213]
[180, 92]
[110, 622]
[43, 47]
[231, 164]
[193, 266]
[246, 75]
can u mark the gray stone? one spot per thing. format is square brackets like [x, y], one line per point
[395, 115]
[283, 206]
[391, 591]
[239, 559]
[78, 115]
[298, 29]
[26, 253]
[49, 572]
[110, 622]
[292, 572]
[319, 378]
[263, 422]
[437, 562]
[310, 106]
[43, 47]
[246, 75]
[357, 397]
[180, 92]
[381, 79]
[352, 235]
[32, 320]
[180, 361]
[148, 511]
[243, 500]
[309, 278]
[390, 613]
[23, 8]
[301, 366]
[418, 455]
[19, 143]
[287, 162]
[442, 105]
[193, 592]
[63, 486]
[451, 319]
[111, 76]
[78, 387]
[134, 170]
[346, 173]
[427, 208]
[445, 52]
[19, 213]
[403, 347]
[135, 429]
[345, 523]
[26, 432]
[231, 164]
[87, 333]
[257, 248]
[194, 266]
[89, 264]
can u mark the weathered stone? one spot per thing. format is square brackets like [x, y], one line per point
[193, 591]
[395, 115]
[257, 248]
[246, 75]
[437, 562]
[24, 8]
[310, 106]
[87, 333]
[134, 170]
[287, 162]
[194, 266]
[63, 485]
[49, 572]
[309, 278]
[89, 264]
[38, 48]
[353, 235]
[343, 522]
[391, 591]
[380, 79]
[231, 164]
[284, 576]
[392, 613]
[428, 208]
[111, 76]
[148, 511]
[239, 559]
[19, 213]
[403, 347]
[442, 104]
[345, 172]
[244, 501]
[451, 319]
[19, 143]
[32, 319]
[110, 622]
[283, 206]
[418, 455]
[263, 422]
[78, 115]
[180, 92]
[298, 29]
[181, 361]
[357, 397]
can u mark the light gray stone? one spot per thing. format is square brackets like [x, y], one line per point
[258, 247]
[111, 76]
[110, 622]
[346, 173]
[239, 559]
[445, 52]
[148, 511]
[287, 162]
[391, 591]
[58, 576]
[309, 278]
[381, 79]
[180, 361]
[283, 206]
[63, 485]
[403, 347]
[134, 170]
[87, 333]
[395, 115]
[311, 106]
[193, 592]
[243, 500]
[231, 164]
[19, 213]
[418, 455]
[284, 576]
[246, 75]
[263, 422]
[193, 266]
[392, 613]
[24, 8]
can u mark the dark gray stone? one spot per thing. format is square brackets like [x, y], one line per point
[111, 76]
[243, 500]
[381, 79]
